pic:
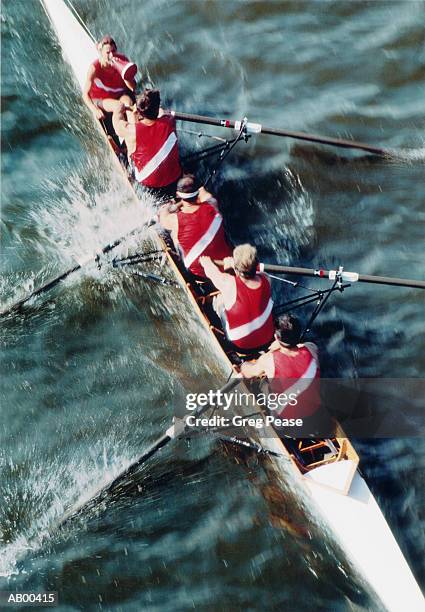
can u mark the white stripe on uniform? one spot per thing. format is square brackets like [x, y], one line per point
[99, 84]
[247, 328]
[305, 380]
[157, 159]
[200, 246]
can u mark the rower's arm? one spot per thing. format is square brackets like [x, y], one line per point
[119, 120]
[86, 90]
[218, 278]
[255, 369]
[168, 218]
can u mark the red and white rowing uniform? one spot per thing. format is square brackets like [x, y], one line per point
[156, 158]
[202, 233]
[250, 320]
[300, 374]
[107, 81]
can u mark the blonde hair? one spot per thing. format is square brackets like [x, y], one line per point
[245, 260]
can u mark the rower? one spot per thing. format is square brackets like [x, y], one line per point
[195, 224]
[151, 143]
[106, 89]
[290, 368]
[244, 303]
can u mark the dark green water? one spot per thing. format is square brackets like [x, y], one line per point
[90, 376]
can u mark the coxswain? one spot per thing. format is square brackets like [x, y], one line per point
[151, 143]
[105, 89]
[196, 225]
[290, 367]
[244, 303]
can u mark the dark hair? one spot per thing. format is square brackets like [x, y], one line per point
[188, 184]
[288, 329]
[148, 103]
[107, 40]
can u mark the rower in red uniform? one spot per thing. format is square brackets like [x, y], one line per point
[195, 224]
[151, 143]
[290, 368]
[106, 89]
[244, 304]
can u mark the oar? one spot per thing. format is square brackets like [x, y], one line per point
[177, 429]
[55, 281]
[350, 277]
[257, 128]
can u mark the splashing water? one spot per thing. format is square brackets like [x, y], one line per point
[292, 219]
[35, 506]
[74, 221]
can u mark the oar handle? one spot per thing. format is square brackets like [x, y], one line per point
[257, 128]
[351, 277]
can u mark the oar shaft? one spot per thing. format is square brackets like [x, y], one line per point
[346, 276]
[38, 291]
[55, 281]
[257, 128]
[133, 467]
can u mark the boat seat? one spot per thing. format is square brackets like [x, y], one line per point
[316, 446]
[333, 458]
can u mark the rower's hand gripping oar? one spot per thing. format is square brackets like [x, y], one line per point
[257, 128]
[177, 429]
[80, 264]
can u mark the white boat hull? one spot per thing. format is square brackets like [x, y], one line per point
[363, 532]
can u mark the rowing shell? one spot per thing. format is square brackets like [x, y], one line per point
[331, 481]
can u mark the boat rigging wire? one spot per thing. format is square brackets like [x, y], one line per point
[318, 294]
[139, 258]
[323, 298]
[242, 135]
[201, 135]
[156, 278]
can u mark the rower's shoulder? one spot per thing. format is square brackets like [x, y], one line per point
[93, 67]
[311, 347]
[275, 346]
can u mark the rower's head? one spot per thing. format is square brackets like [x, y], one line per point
[188, 188]
[245, 260]
[107, 48]
[288, 330]
[148, 103]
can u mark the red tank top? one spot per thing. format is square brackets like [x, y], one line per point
[107, 81]
[202, 233]
[250, 320]
[156, 158]
[298, 374]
